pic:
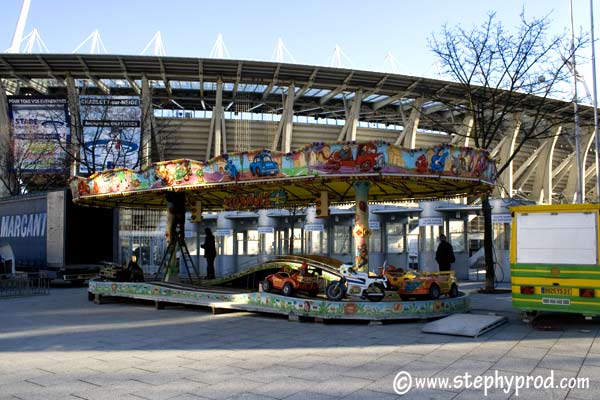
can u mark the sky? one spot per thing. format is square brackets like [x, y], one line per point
[366, 30]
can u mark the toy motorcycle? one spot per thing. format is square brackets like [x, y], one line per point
[356, 284]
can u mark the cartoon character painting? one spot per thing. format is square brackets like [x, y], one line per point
[421, 164]
[459, 164]
[480, 165]
[439, 160]
[231, 169]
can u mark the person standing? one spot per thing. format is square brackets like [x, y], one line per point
[444, 254]
[210, 253]
[136, 274]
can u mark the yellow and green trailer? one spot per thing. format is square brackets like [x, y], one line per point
[554, 258]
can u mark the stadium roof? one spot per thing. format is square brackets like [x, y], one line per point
[319, 91]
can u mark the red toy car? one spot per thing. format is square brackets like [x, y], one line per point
[367, 159]
[290, 282]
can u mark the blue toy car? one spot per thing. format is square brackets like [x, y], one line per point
[263, 164]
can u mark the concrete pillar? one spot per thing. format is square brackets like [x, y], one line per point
[55, 229]
[542, 186]
[505, 180]
[286, 144]
[266, 227]
[175, 229]
[218, 116]
[429, 220]
[147, 123]
[464, 132]
[225, 264]
[376, 256]
[314, 225]
[408, 137]
[502, 223]
[348, 132]
[76, 128]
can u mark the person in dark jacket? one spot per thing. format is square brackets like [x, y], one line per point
[210, 253]
[444, 254]
[135, 272]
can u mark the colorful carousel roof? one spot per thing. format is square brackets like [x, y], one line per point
[265, 179]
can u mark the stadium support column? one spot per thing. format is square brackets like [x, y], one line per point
[285, 126]
[76, 135]
[5, 147]
[361, 230]
[408, 137]
[542, 185]
[348, 132]
[572, 178]
[464, 132]
[147, 122]
[504, 150]
[215, 135]
[286, 146]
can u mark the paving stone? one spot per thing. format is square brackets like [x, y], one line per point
[561, 362]
[541, 394]
[513, 364]
[311, 396]
[225, 389]
[478, 394]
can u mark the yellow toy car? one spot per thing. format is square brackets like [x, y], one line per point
[423, 284]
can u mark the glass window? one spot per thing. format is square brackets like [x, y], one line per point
[297, 240]
[241, 249]
[457, 237]
[316, 242]
[375, 241]
[224, 245]
[501, 236]
[267, 243]
[252, 244]
[395, 242]
[341, 239]
[430, 236]
[141, 233]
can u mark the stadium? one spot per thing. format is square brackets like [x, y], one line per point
[199, 108]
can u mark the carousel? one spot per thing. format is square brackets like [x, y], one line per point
[319, 174]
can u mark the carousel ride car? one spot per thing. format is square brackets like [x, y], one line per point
[290, 282]
[422, 284]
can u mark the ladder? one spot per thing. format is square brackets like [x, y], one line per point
[186, 258]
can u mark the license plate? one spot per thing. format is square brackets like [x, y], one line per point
[557, 290]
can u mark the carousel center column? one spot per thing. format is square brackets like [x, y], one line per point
[175, 227]
[361, 226]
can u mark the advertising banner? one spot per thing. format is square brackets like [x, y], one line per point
[111, 132]
[41, 130]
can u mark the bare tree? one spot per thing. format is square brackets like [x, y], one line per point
[506, 76]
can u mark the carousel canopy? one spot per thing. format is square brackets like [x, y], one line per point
[265, 179]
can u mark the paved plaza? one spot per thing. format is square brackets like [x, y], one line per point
[61, 346]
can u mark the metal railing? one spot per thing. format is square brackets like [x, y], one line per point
[22, 286]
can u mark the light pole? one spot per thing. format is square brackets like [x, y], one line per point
[595, 101]
[580, 179]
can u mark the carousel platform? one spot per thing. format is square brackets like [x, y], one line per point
[221, 299]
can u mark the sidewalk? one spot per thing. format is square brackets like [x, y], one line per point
[63, 347]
